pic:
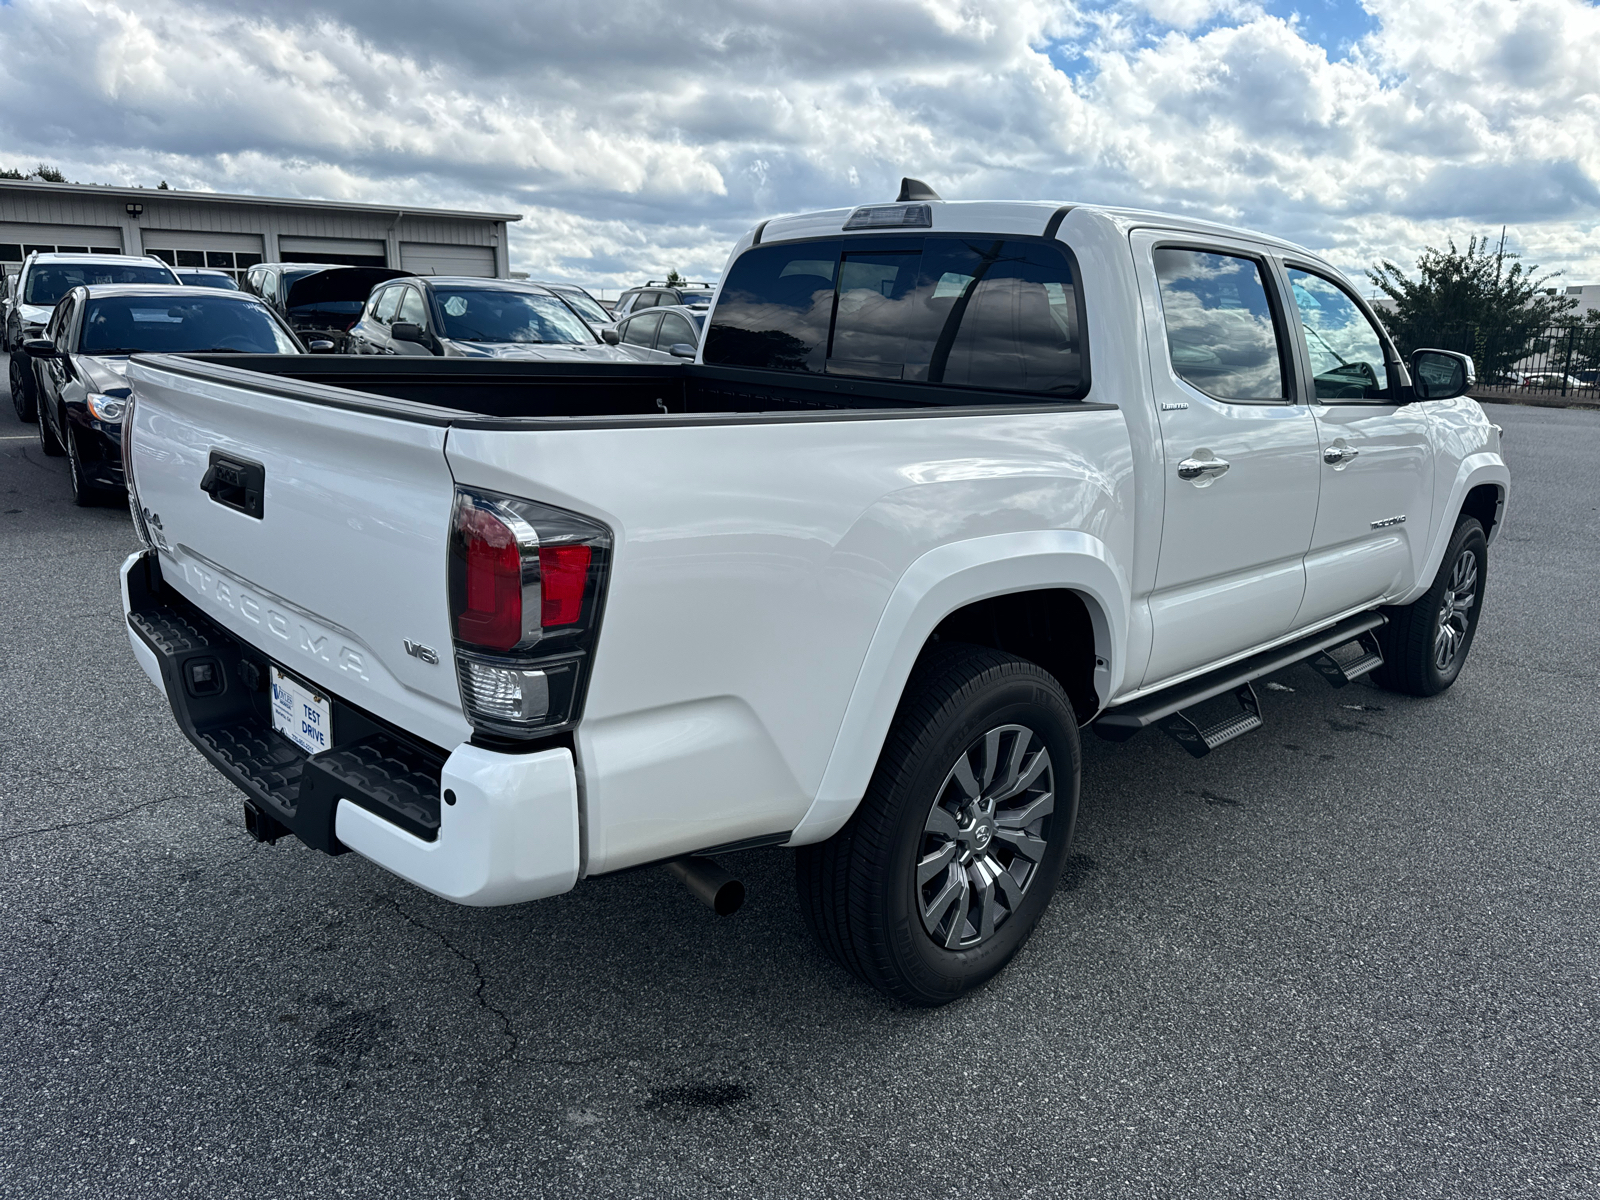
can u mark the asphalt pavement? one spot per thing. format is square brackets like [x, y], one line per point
[1352, 954]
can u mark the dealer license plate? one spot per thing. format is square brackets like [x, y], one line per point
[301, 714]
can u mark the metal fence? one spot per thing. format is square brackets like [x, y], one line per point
[1561, 361]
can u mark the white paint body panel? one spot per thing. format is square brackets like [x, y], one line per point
[511, 836]
[773, 581]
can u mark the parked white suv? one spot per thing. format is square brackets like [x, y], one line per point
[43, 280]
[947, 484]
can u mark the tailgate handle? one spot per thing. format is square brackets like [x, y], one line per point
[235, 483]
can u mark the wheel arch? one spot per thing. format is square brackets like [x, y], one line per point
[1066, 580]
[1482, 486]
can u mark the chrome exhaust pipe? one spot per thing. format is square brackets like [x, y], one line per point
[711, 885]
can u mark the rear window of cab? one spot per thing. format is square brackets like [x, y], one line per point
[957, 311]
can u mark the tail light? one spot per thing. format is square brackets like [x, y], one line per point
[139, 526]
[526, 586]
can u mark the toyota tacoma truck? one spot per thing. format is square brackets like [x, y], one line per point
[947, 484]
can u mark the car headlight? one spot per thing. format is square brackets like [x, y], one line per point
[107, 408]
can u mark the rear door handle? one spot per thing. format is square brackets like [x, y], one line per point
[1203, 470]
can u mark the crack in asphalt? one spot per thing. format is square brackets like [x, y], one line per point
[116, 816]
[477, 971]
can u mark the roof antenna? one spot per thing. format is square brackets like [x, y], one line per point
[915, 189]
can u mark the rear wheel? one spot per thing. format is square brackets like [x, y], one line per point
[1425, 644]
[951, 858]
[23, 397]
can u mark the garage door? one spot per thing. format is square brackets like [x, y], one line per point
[349, 252]
[433, 258]
[234, 253]
[19, 239]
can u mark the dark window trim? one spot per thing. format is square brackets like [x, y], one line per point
[1288, 363]
[1054, 223]
[755, 240]
[878, 243]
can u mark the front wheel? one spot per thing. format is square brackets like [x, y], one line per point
[49, 443]
[23, 397]
[940, 876]
[84, 493]
[1425, 644]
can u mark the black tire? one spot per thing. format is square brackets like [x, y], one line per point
[24, 396]
[49, 443]
[1414, 640]
[84, 493]
[859, 890]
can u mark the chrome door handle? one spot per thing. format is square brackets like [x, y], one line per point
[1334, 455]
[1202, 469]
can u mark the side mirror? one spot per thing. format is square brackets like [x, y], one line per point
[681, 350]
[1441, 374]
[320, 346]
[610, 337]
[39, 348]
[407, 331]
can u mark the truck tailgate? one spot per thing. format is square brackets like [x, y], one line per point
[350, 534]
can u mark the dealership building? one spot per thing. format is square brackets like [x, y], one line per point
[233, 233]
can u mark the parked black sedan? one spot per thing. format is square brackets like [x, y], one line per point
[81, 362]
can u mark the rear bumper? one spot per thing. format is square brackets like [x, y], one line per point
[473, 825]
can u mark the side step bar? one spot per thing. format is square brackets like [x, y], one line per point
[1166, 708]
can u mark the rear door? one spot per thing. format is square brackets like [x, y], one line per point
[1239, 451]
[1376, 465]
[346, 561]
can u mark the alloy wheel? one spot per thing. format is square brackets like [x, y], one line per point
[985, 836]
[1455, 611]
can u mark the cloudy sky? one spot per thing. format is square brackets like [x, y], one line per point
[642, 135]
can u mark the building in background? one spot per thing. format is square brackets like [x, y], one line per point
[233, 233]
[1588, 297]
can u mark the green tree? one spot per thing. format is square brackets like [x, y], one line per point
[12, 173]
[49, 174]
[162, 186]
[1482, 301]
[673, 278]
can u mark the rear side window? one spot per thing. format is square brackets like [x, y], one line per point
[1220, 330]
[970, 312]
[387, 303]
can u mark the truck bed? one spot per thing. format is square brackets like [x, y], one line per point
[454, 391]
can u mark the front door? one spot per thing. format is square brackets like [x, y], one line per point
[1240, 454]
[1376, 461]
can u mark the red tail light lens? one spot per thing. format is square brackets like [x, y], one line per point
[563, 575]
[527, 584]
[490, 612]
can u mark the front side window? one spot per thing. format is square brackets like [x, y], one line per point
[501, 315]
[675, 330]
[178, 325]
[48, 282]
[971, 312]
[641, 330]
[1220, 330]
[588, 308]
[1347, 359]
[411, 308]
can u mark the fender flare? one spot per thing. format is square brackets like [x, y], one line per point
[944, 579]
[1475, 470]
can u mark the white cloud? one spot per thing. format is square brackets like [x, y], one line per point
[646, 135]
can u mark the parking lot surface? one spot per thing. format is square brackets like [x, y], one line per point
[1353, 954]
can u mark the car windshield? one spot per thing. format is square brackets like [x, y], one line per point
[180, 324]
[201, 279]
[48, 282]
[588, 307]
[501, 315]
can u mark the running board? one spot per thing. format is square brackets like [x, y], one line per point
[1200, 741]
[1341, 664]
[1122, 722]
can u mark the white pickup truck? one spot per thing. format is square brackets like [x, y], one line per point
[948, 483]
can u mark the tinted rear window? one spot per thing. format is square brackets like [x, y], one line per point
[48, 282]
[964, 311]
